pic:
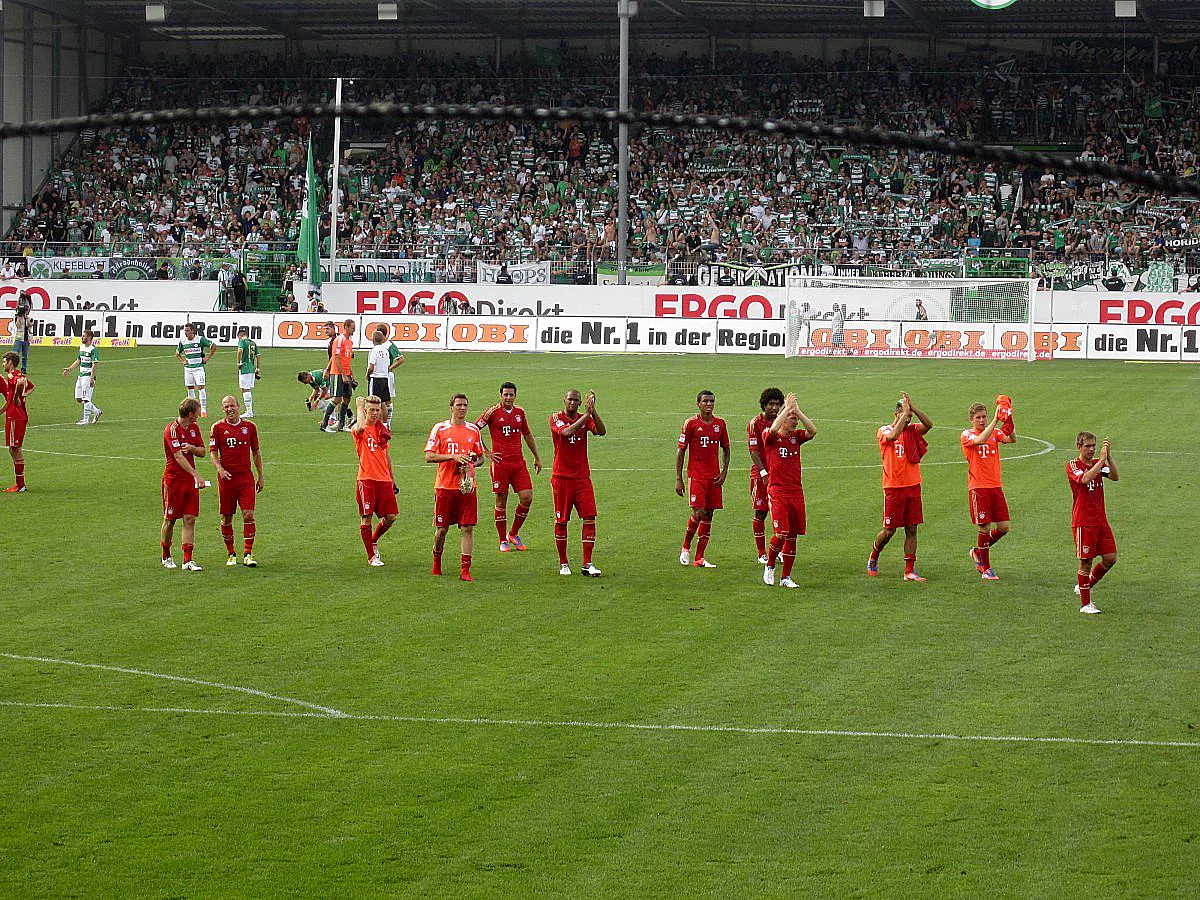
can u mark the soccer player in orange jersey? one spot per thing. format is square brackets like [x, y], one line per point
[507, 425]
[456, 446]
[701, 437]
[571, 476]
[985, 491]
[1089, 520]
[770, 402]
[15, 386]
[232, 447]
[901, 445]
[376, 489]
[340, 375]
[181, 483]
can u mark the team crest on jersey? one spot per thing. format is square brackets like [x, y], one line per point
[244, 431]
[516, 419]
[887, 520]
[440, 519]
[982, 516]
[693, 498]
[171, 511]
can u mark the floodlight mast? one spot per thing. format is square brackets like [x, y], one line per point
[626, 9]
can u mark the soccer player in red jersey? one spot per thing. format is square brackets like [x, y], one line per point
[181, 483]
[985, 491]
[1089, 521]
[507, 425]
[571, 476]
[15, 386]
[699, 439]
[901, 445]
[785, 486]
[770, 403]
[376, 488]
[232, 445]
[456, 445]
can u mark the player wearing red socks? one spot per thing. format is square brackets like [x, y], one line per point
[457, 447]
[571, 476]
[507, 425]
[1089, 521]
[376, 488]
[785, 486]
[232, 446]
[901, 446]
[770, 402]
[699, 439]
[15, 386]
[985, 490]
[181, 483]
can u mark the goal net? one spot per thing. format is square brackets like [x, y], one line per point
[967, 318]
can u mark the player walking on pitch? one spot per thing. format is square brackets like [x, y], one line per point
[507, 425]
[194, 351]
[770, 402]
[571, 476]
[181, 483]
[382, 362]
[901, 446]
[248, 369]
[1089, 521]
[699, 440]
[456, 446]
[985, 491]
[15, 386]
[376, 488]
[785, 486]
[87, 361]
[233, 443]
[340, 373]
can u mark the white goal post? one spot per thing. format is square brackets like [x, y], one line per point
[954, 318]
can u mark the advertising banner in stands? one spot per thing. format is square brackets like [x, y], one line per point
[606, 273]
[518, 273]
[377, 270]
[68, 294]
[68, 266]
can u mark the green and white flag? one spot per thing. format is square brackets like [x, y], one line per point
[308, 247]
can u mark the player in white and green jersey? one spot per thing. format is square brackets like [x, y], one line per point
[248, 369]
[319, 398]
[87, 362]
[194, 352]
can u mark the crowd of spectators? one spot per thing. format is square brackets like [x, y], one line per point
[459, 190]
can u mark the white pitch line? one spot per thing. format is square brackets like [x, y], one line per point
[630, 726]
[329, 711]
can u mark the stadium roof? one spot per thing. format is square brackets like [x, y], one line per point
[657, 19]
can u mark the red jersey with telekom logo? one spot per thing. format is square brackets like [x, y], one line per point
[570, 453]
[1087, 507]
[506, 427]
[234, 444]
[175, 436]
[14, 390]
[755, 431]
[781, 456]
[703, 441]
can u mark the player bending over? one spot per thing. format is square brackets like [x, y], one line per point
[785, 486]
[456, 446]
[318, 397]
[1089, 521]
[571, 476]
[901, 446]
[376, 487]
[699, 440]
[195, 352]
[181, 483]
[233, 444]
[507, 426]
[770, 402]
[87, 361]
[15, 386]
[985, 490]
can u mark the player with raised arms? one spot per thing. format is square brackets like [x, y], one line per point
[901, 446]
[770, 402]
[985, 490]
[87, 361]
[233, 445]
[699, 439]
[785, 486]
[181, 483]
[456, 445]
[507, 426]
[376, 487]
[249, 368]
[571, 476]
[15, 386]
[1089, 520]
[194, 351]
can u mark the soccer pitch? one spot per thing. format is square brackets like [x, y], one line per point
[317, 727]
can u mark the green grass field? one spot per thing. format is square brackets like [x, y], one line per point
[658, 731]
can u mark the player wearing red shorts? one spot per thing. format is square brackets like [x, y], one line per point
[770, 402]
[232, 445]
[571, 476]
[985, 491]
[181, 483]
[15, 386]
[901, 445]
[456, 445]
[785, 486]
[507, 425]
[1089, 521]
[376, 488]
[699, 439]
